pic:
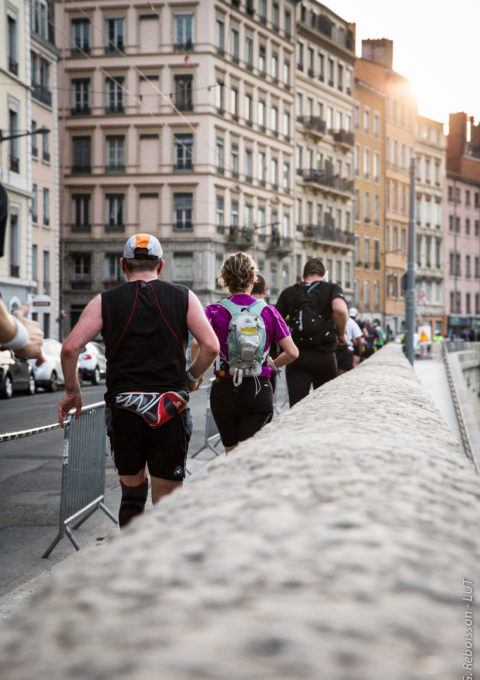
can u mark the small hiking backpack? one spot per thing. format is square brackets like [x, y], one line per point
[308, 327]
[246, 339]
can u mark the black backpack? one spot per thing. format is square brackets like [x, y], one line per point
[308, 327]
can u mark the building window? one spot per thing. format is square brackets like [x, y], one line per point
[248, 165]
[39, 18]
[46, 273]
[366, 164]
[81, 267]
[81, 95]
[286, 125]
[274, 173]
[183, 151]
[112, 268]
[366, 295]
[46, 207]
[81, 212]
[183, 92]
[219, 97]
[115, 212]
[114, 95]
[288, 24]
[183, 269]
[80, 36]
[34, 203]
[261, 114]
[274, 73]
[234, 102]
[220, 37]
[286, 73]
[183, 31]
[300, 56]
[115, 35]
[12, 34]
[286, 176]
[13, 144]
[235, 46]
[262, 60]
[262, 163]
[81, 155]
[249, 52]
[234, 213]
[35, 262]
[235, 172]
[115, 153]
[183, 212]
[274, 120]
[220, 156]
[220, 214]
[331, 72]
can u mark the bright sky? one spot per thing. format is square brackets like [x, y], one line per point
[435, 45]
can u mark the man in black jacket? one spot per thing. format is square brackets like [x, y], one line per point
[316, 313]
[145, 324]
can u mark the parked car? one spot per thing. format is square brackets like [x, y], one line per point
[49, 374]
[16, 375]
[92, 362]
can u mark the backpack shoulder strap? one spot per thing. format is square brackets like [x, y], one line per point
[230, 306]
[257, 307]
[312, 286]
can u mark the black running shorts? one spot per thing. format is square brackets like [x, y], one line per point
[135, 444]
[241, 411]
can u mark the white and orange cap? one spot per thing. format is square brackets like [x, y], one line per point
[143, 246]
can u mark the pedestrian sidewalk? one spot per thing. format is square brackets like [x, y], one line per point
[432, 375]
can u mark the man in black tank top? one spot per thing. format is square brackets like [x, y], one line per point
[145, 324]
[316, 313]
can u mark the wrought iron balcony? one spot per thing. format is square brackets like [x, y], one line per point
[313, 123]
[327, 233]
[326, 180]
[281, 245]
[344, 137]
[240, 237]
[41, 94]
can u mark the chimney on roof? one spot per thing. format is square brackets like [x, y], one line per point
[380, 51]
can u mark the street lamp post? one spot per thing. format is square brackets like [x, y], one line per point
[410, 294]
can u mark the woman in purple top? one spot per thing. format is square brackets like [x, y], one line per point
[241, 411]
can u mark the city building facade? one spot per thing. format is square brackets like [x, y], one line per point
[44, 207]
[462, 225]
[430, 154]
[369, 172]
[375, 67]
[177, 120]
[15, 158]
[324, 142]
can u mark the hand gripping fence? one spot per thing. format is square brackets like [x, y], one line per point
[83, 469]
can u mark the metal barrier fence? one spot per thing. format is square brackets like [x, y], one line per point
[211, 437]
[83, 469]
[83, 472]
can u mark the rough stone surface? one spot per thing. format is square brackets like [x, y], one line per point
[332, 545]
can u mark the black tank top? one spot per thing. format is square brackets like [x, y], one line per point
[145, 333]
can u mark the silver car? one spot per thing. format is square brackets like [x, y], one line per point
[49, 374]
[92, 362]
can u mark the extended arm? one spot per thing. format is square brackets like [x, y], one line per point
[87, 327]
[340, 317]
[289, 354]
[205, 347]
[31, 335]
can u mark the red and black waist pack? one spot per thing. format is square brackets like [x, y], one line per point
[156, 408]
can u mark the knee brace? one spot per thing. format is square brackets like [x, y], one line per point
[133, 502]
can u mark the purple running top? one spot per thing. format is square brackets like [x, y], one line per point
[275, 327]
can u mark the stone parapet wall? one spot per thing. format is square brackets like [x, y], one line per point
[332, 545]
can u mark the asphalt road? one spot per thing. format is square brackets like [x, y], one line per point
[30, 484]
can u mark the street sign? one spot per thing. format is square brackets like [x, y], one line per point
[41, 304]
[420, 297]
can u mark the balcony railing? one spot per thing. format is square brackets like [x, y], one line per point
[13, 66]
[183, 226]
[81, 169]
[115, 108]
[114, 227]
[46, 156]
[84, 110]
[328, 233]
[186, 46]
[41, 94]
[80, 50]
[187, 166]
[321, 177]
[15, 271]
[344, 137]
[313, 123]
[47, 287]
[116, 48]
[81, 284]
[14, 164]
[241, 237]
[115, 168]
[80, 227]
[184, 105]
[281, 245]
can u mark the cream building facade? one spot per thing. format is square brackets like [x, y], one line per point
[44, 207]
[15, 166]
[177, 120]
[430, 155]
[325, 142]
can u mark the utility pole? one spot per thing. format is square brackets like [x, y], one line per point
[411, 293]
